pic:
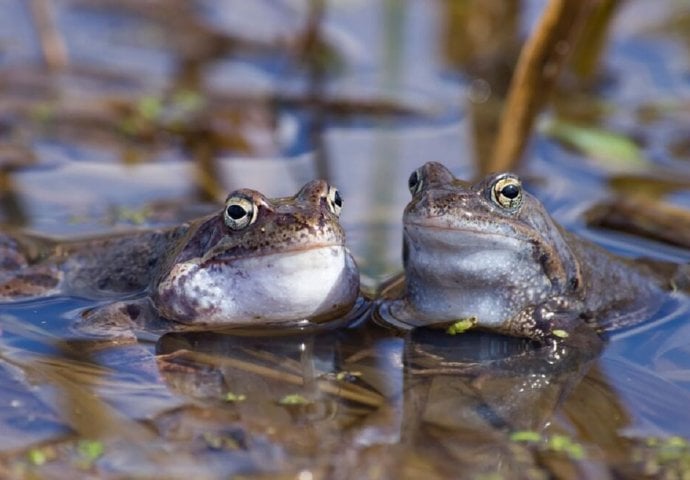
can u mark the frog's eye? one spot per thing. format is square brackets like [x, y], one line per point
[507, 192]
[414, 183]
[239, 213]
[335, 201]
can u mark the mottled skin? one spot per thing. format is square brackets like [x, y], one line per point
[92, 268]
[174, 269]
[283, 226]
[471, 251]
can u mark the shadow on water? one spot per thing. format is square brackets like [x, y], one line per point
[159, 107]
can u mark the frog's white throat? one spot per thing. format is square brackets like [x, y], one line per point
[268, 289]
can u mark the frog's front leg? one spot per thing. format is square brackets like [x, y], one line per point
[548, 322]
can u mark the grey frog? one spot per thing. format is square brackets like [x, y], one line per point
[489, 254]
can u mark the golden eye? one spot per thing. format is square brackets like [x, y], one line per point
[239, 213]
[507, 192]
[335, 201]
[414, 183]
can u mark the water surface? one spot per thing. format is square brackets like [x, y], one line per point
[167, 105]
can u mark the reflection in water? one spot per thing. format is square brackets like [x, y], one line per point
[350, 403]
[357, 401]
[465, 396]
[341, 398]
[297, 399]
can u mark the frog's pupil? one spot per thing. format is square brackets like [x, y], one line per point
[236, 212]
[510, 191]
[412, 182]
[337, 199]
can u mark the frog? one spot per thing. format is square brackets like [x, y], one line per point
[487, 255]
[258, 262]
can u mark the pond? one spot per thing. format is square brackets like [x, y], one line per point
[120, 116]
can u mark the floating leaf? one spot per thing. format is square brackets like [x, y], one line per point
[614, 152]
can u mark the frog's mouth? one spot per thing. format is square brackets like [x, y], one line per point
[469, 228]
[238, 255]
[452, 238]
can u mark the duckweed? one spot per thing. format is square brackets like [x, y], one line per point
[461, 326]
[554, 443]
[293, 399]
[90, 449]
[231, 397]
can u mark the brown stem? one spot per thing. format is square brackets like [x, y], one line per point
[539, 65]
[52, 43]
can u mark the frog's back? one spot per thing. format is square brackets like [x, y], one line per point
[121, 264]
[124, 263]
[617, 292]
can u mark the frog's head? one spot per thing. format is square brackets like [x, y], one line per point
[262, 261]
[484, 250]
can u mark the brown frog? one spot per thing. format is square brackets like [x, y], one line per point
[257, 262]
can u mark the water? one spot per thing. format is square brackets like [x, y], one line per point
[102, 146]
